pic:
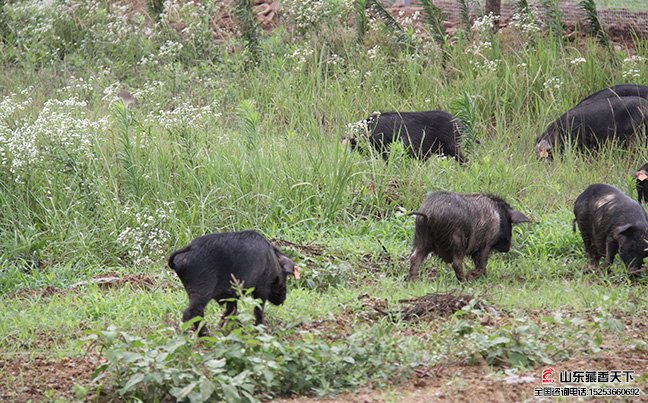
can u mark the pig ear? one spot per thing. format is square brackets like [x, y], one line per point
[544, 145]
[517, 217]
[287, 264]
[623, 229]
[641, 175]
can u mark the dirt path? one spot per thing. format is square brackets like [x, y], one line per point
[38, 379]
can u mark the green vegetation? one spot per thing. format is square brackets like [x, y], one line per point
[589, 6]
[95, 186]
[637, 5]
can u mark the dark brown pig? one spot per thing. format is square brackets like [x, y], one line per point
[453, 226]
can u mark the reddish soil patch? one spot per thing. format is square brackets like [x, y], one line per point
[331, 330]
[434, 305]
[371, 310]
[460, 383]
[35, 379]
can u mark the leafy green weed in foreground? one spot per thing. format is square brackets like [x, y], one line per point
[246, 363]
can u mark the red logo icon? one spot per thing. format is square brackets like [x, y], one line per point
[546, 373]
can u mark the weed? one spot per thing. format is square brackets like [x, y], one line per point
[245, 364]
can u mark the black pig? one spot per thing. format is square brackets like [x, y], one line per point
[642, 184]
[611, 222]
[620, 90]
[594, 122]
[422, 133]
[208, 264]
[453, 226]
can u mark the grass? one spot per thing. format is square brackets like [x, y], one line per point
[624, 4]
[215, 144]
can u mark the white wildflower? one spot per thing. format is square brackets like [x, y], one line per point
[634, 59]
[111, 93]
[525, 22]
[170, 49]
[373, 52]
[553, 83]
[146, 242]
[631, 73]
[334, 60]
[184, 115]
[484, 24]
[61, 132]
[300, 55]
[631, 66]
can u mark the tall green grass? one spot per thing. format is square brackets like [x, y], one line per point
[215, 144]
[266, 153]
[90, 185]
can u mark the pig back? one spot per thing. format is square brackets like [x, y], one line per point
[485, 218]
[211, 262]
[601, 208]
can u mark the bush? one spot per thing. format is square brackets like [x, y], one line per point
[246, 364]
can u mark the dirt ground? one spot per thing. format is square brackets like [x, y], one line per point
[24, 379]
[457, 383]
[28, 377]
[40, 379]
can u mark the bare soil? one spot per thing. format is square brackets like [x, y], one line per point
[481, 383]
[24, 378]
[434, 305]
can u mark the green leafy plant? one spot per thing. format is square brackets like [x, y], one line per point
[554, 20]
[464, 11]
[463, 108]
[589, 6]
[155, 7]
[362, 21]
[524, 343]
[379, 10]
[518, 347]
[249, 27]
[321, 273]
[434, 19]
[246, 364]
[4, 27]
[251, 119]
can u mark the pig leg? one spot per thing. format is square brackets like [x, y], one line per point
[416, 258]
[196, 308]
[456, 265]
[590, 251]
[592, 261]
[422, 246]
[230, 309]
[611, 249]
[258, 314]
[480, 259]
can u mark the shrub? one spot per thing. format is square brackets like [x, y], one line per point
[246, 364]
